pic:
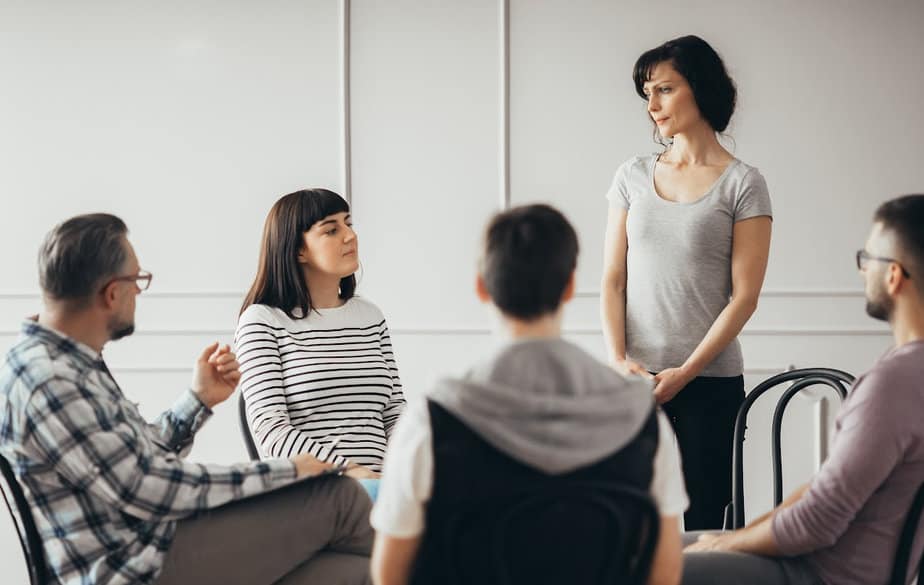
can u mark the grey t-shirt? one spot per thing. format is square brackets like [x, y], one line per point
[679, 262]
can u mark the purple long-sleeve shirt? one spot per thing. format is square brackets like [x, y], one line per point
[848, 523]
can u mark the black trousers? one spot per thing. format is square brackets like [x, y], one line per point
[703, 416]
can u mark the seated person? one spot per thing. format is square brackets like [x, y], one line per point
[318, 368]
[844, 526]
[540, 409]
[113, 498]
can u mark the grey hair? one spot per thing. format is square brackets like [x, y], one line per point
[78, 255]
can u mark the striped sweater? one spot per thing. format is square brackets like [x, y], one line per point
[326, 384]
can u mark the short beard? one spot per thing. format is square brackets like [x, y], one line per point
[120, 330]
[879, 309]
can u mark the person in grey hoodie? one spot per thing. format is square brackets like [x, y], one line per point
[539, 410]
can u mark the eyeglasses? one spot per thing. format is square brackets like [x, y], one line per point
[142, 280]
[864, 257]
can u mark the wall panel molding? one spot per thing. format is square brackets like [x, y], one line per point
[785, 332]
[786, 293]
[180, 294]
[345, 120]
[504, 122]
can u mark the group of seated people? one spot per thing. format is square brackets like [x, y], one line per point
[542, 464]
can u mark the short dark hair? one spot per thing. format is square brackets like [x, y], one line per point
[530, 253]
[696, 60]
[279, 281]
[78, 255]
[904, 217]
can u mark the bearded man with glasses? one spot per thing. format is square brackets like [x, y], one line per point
[843, 528]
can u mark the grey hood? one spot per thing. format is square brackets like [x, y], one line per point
[549, 404]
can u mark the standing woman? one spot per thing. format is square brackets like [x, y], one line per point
[687, 242]
[317, 369]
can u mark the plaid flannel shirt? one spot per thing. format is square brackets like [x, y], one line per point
[105, 486]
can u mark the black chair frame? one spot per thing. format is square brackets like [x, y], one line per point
[801, 378]
[901, 566]
[32, 548]
[251, 445]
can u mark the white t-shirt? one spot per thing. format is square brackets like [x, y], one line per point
[407, 481]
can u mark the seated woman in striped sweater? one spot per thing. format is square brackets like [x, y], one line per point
[317, 369]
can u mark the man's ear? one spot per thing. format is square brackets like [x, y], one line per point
[108, 295]
[894, 279]
[481, 290]
[568, 294]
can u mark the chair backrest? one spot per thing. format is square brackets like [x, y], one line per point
[902, 568]
[21, 514]
[245, 430]
[569, 533]
[800, 379]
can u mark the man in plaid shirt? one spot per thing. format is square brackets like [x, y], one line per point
[113, 499]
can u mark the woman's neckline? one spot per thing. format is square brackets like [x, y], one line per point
[654, 164]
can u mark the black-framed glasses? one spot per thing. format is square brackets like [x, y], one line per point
[142, 280]
[864, 258]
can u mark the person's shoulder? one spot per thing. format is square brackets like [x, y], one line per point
[30, 363]
[897, 373]
[633, 163]
[417, 412]
[257, 314]
[33, 375]
[365, 309]
[747, 175]
[413, 428]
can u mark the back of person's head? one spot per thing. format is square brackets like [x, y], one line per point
[904, 218]
[79, 255]
[279, 281]
[530, 253]
[698, 63]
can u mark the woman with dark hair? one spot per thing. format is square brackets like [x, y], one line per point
[318, 372]
[687, 244]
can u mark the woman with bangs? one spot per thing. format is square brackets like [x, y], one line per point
[687, 245]
[318, 372]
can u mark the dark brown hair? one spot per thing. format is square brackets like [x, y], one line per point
[698, 63]
[904, 216]
[530, 253]
[279, 281]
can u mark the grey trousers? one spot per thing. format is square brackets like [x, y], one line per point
[720, 568]
[314, 532]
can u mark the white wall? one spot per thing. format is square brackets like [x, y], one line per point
[190, 119]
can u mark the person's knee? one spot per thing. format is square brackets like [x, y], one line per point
[353, 493]
[351, 500]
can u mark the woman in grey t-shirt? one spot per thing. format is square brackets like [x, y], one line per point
[687, 242]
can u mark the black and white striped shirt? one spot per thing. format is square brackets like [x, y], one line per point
[326, 384]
